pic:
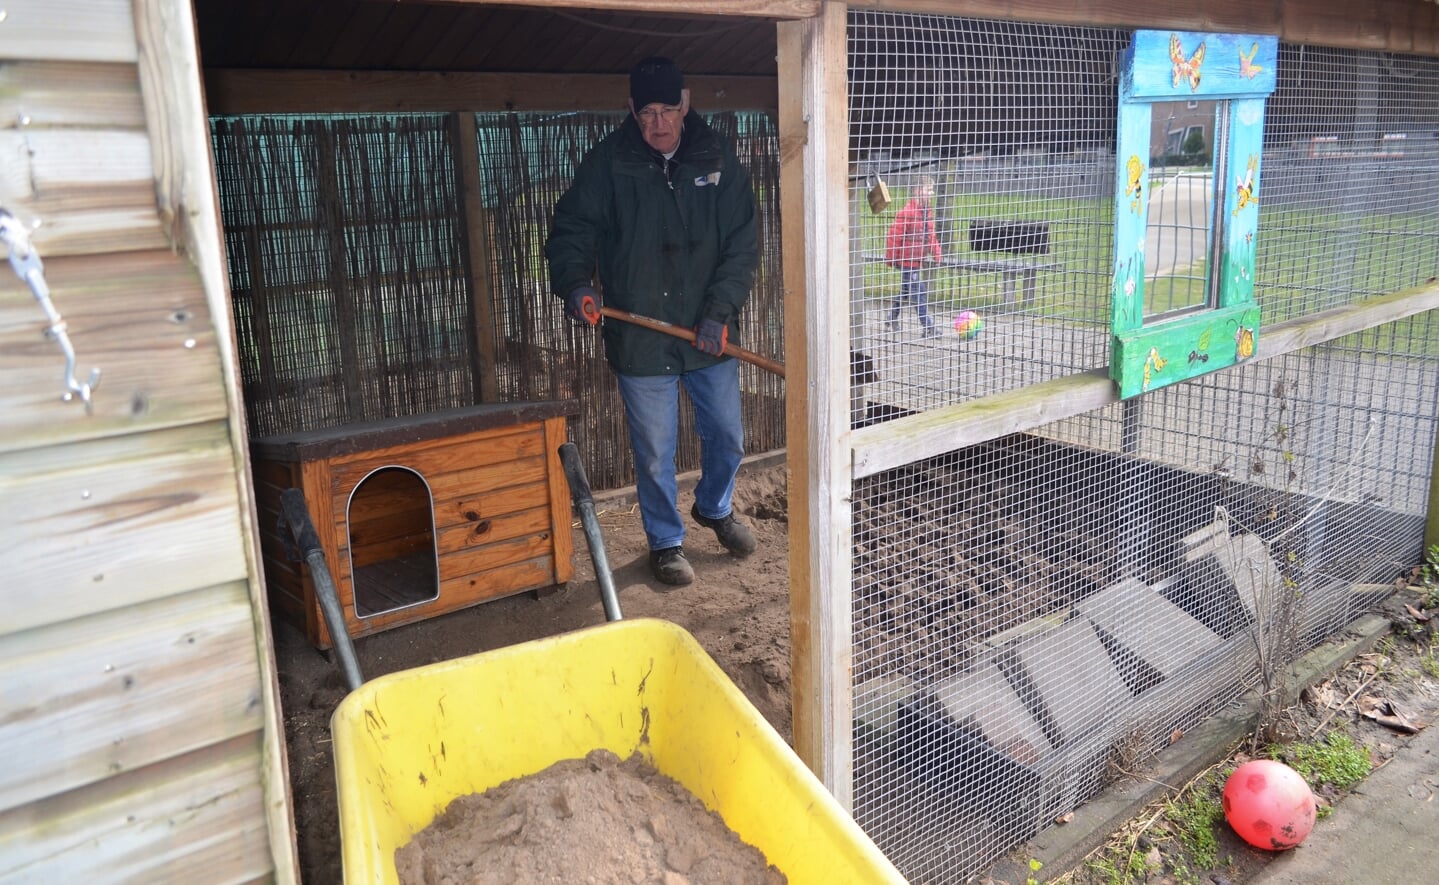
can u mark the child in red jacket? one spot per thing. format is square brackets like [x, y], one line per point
[910, 245]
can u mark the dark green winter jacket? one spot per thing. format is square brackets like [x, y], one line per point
[676, 247]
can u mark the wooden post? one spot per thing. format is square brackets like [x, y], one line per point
[814, 148]
[187, 198]
[1431, 528]
[475, 247]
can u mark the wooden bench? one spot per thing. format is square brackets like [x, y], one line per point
[1020, 275]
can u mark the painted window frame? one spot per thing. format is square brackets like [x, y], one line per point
[1181, 65]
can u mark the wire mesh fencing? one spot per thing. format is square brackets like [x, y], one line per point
[1013, 124]
[1037, 615]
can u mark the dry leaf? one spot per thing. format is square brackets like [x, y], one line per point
[1065, 818]
[1324, 695]
[1388, 714]
[1415, 613]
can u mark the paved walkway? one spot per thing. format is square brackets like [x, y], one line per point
[1386, 831]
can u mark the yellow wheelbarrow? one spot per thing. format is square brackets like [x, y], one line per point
[409, 743]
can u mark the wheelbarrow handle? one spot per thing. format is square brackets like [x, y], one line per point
[295, 522]
[584, 502]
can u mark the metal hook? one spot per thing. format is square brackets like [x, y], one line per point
[28, 267]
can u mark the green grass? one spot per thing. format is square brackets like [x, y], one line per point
[1372, 253]
[1133, 867]
[1195, 818]
[1336, 760]
[1430, 663]
[1187, 288]
[1081, 245]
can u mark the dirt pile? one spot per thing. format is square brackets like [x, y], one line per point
[595, 820]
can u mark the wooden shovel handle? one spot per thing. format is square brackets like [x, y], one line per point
[733, 350]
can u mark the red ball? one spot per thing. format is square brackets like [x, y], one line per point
[1269, 805]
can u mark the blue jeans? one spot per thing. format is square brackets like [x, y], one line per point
[652, 413]
[911, 286]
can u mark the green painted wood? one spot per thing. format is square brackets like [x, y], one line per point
[1147, 359]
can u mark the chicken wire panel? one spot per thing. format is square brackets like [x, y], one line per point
[1013, 124]
[1015, 649]
[1350, 202]
[1035, 616]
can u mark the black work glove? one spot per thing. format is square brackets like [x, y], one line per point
[711, 336]
[583, 305]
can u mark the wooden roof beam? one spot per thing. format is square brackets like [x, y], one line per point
[246, 91]
[776, 9]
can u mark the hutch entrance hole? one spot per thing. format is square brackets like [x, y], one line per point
[393, 556]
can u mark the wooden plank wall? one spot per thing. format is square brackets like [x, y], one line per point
[141, 732]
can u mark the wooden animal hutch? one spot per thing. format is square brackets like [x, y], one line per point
[419, 516]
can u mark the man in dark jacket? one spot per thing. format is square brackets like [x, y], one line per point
[665, 210]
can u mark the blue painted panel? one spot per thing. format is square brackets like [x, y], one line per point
[1241, 201]
[1168, 65]
[1131, 216]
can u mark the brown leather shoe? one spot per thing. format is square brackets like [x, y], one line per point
[733, 534]
[670, 566]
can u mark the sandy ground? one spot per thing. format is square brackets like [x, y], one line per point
[737, 609]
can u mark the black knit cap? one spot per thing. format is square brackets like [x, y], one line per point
[654, 80]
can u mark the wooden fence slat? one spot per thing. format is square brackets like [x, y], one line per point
[75, 94]
[913, 438]
[210, 803]
[89, 698]
[69, 30]
[114, 533]
[83, 190]
[61, 158]
[141, 318]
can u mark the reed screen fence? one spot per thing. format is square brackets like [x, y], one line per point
[352, 273]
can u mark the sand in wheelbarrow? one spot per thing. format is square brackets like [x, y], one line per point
[594, 820]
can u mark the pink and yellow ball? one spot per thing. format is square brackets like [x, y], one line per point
[967, 324]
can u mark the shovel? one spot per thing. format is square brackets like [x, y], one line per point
[733, 350]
